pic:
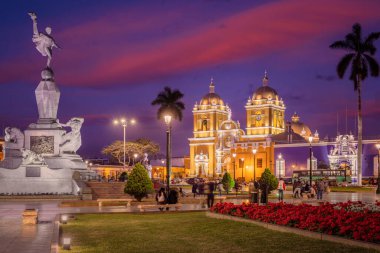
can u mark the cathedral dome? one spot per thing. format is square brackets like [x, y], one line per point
[299, 127]
[265, 92]
[212, 98]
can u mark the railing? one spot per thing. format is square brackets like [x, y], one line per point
[320, 173]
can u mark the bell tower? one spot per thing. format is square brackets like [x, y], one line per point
[265, 111]
[208, 116]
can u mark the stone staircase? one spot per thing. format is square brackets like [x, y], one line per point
[114, 190]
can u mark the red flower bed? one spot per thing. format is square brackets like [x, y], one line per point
[334, 219]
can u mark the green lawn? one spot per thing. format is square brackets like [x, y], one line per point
[184, 232]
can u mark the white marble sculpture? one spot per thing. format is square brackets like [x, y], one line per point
[44, 41]
[72, 141]
[47, 93]
[14, 138]
[42, 159]
[29, 157]
[147, 165]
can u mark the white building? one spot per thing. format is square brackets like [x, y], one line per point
[344, 156]
[280, 166]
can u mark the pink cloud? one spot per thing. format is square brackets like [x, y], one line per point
[103, 51]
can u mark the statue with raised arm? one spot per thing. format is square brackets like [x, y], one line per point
[44, 41]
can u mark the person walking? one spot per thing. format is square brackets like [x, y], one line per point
[220, 188]
[194, 188]
[320, 188]
[210, 194]
[327, 187]
[297, 189]
[281, 188]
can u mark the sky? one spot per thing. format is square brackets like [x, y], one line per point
[116, 56]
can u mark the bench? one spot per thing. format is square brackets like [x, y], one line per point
[202, 200]
[100, 201]
[30, 216]
[313, 201]
[159, 207]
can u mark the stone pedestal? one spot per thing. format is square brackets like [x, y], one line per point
[36, 179]
[43, 159]
[47, 97]
[43, 141]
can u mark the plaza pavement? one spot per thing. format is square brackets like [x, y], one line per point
[18, 238]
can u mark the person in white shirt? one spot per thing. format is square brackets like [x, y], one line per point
[281, 188]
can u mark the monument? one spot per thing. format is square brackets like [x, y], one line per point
[146, 163]
[43, 158]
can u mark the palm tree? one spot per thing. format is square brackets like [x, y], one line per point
[170, 103]
[360, 58]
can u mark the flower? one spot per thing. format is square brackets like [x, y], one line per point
[355, 220]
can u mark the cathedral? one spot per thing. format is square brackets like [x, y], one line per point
[220, 144]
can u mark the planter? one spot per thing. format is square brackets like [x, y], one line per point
[310, 234]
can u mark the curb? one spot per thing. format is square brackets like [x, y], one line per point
[310, 234]
[54, 246]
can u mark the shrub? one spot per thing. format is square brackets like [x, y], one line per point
[268, 179]
[228, 182]
[139, 183]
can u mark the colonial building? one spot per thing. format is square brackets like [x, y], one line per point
[219, 144]
[344, 155]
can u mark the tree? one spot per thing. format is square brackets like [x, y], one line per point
[139, 147]
[228, 182]
[148, 146]
[360, 58]
[268, 179]
[139, 183]
[170, 103]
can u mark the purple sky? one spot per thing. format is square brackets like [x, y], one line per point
[117, 55]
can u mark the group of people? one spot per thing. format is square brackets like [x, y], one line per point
[207, 188]
[300, 188]
[163, 198]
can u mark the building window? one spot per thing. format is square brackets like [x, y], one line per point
[259, 163]
[204, 125]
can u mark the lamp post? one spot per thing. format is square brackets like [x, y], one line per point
[168, 119]
[233, 164]
[310, 141]
[163, 170]
[242, 167]
[254, 151]
[124, 123]
[378, 169]
[279, 165]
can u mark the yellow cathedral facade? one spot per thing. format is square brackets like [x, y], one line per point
[219, 144]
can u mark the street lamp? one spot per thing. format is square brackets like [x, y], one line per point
[233, 164]
[310, 141]
[378, 169]
[124, 123]
[168, 119]
[135, 157]
[254, 151]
